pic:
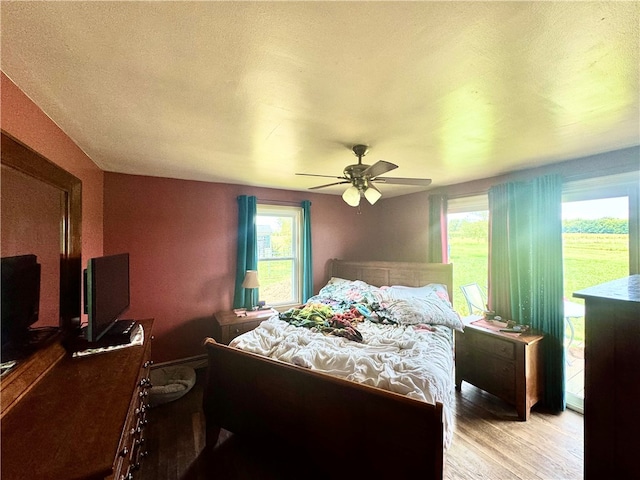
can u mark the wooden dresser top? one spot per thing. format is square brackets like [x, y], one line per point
[69, 424]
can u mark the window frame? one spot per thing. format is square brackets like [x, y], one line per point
[296, 214]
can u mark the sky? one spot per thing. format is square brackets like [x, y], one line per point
[590, 209]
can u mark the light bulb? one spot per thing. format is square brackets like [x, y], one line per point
[351, 196]
[372, 194]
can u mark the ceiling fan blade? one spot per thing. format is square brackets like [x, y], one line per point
[329, 185]
[422, 182]
[325, 176]
[379, 168]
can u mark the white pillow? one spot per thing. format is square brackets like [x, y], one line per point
[431, 310]
[400, 292]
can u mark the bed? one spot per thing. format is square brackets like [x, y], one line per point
[367, 430]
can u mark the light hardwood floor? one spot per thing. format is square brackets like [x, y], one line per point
[489, 443]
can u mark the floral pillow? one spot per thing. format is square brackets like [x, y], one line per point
[341, 290]
[432, 310]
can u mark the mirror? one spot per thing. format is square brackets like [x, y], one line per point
[42, 215]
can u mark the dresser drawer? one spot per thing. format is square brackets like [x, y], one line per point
[495, 346]
[229, 332]
[499, 377]
[129, 449]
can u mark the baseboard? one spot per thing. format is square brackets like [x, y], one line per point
[199, 361]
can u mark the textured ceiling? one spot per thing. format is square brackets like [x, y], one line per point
[253, 92]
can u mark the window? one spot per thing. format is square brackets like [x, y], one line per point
[468, 245]
[279, 230]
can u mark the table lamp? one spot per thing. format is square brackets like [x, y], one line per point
[251, 282]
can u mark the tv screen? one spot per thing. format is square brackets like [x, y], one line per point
[20, 296]
[106, 293]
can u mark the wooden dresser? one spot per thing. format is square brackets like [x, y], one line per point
[505, 365]
[612, 379]
[81, 418]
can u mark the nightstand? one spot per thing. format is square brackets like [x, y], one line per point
[506, 365]
[228, 325]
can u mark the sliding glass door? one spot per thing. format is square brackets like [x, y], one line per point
[595, 250]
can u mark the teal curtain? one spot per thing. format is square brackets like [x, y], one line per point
[499, 296]
[525, 267]
[247, 253]
[307, 257]
[437, 249]
[547, 306]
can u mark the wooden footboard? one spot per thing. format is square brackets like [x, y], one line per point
[365, 430]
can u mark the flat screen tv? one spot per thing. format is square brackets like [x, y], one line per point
[106, 293]
[20, 296]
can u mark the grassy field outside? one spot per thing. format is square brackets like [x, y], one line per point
[470, 265]
[591, 259]
[275, 281]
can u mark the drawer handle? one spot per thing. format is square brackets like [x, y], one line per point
[124, 452]
[148, 363]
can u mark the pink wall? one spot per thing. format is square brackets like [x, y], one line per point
[181, 237]
[404, 237]
[181, 234]
[26, 122]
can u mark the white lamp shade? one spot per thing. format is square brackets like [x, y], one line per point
[352, 196]
[250, 279]
[372, 194]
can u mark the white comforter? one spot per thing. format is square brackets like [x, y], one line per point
[410, 360]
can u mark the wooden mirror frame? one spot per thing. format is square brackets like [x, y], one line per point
[25, 160]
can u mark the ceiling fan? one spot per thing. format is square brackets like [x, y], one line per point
[362, 178]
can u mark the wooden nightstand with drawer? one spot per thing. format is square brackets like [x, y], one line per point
[506, 365]
[228, 325]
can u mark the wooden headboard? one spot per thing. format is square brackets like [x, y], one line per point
[395, 273]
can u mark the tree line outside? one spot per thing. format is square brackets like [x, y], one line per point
[600, 225]
[478, 227]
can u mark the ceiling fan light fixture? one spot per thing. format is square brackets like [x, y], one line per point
[361, 177]
[351, 196]
[372, 194]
